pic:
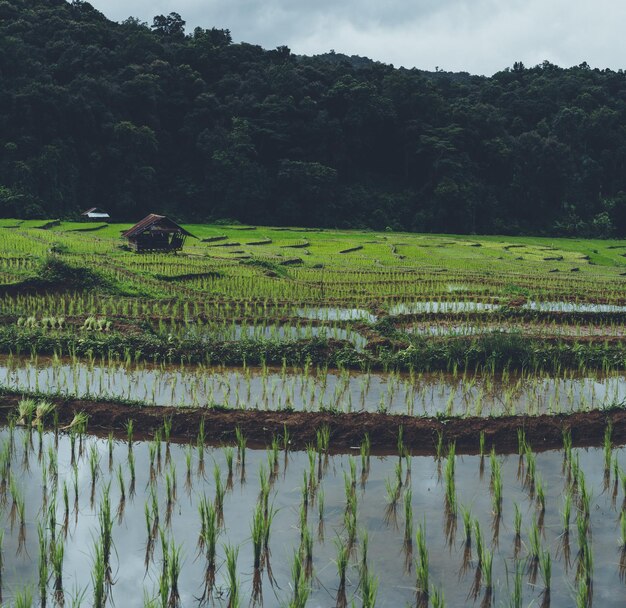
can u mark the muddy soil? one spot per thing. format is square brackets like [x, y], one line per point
[346, 430]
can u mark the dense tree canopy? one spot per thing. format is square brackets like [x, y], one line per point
[136, 118]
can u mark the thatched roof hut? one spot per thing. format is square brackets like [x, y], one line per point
[156, 233]
[95, 214]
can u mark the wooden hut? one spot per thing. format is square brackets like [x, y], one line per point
[95, 214]
[156, 233]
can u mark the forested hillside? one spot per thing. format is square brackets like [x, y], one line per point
[138, 117]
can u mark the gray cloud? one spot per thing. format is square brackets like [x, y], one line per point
[478, 36]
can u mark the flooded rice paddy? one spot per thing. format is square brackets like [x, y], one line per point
[535, 330]
[317, 389]
[237, 331]
[150, 495]
[574, 307]
[441, 307]
[470, 306]
[336, 314]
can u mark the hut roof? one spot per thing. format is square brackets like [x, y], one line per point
[155, 221]
[95, 212]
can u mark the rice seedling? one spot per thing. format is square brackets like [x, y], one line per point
[170, 492]
[438, 598]
[43, 563]
[343, 555]
[79, 423]
[188, 475]
[531, 469]
[122, 490]
[131, 468]
[350, 516]
[241, 452]
[66, 508]
[306, 549]
[25, 410]
[450, 501]
[369, 590]
[301, 588]
[232, 554]
[105, 520]
[585, 553]
[421, 566]
[466, 516]
[75, 486]
[98, 576]
[540, 500]
[258, 530]
[400, 443]
[174, 567]
[616, 479]
[516, 594]
[487, 576]
[622, 546]
[365, 459]
[56, 555]
[323, 439]
[167, 428]
[584, 497]
[534, 551]
[207, 542]
[394, 490]
[219, 495]
[163, 588]
[567, 445]
[363, 566]
[439, 445]
[583, 594]
[517, 527]
[43, 409]
[94, 468]
[18, 512]
[1, 561]
[304, 507]
[496, 487]
[23, 598]
[200, 441]
[408, 519]
[545, 567]
[273, 459]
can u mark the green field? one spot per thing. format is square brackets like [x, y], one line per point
[356, 298]
[339, 340]
[314, 267]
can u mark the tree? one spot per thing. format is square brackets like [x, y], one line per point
[306, 192]
[171, 26]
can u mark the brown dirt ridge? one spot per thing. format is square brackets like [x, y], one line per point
[420, 434]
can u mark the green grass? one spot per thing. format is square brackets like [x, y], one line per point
[389, 265]
[249, 277]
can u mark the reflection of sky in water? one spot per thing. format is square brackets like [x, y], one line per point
[535, 329]
[451, 307]
[414, 308]
[335, 314]
[419, 394]
[386, 558]
[573, 307]
[273, 332]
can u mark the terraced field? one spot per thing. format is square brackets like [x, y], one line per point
[410, 405]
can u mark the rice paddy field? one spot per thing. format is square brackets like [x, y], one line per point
[268, 418]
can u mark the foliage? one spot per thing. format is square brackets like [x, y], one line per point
[134, 119]
[55, 271]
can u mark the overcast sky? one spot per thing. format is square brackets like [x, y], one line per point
[477, 36]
